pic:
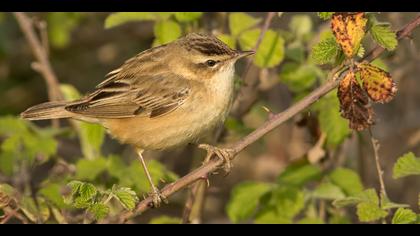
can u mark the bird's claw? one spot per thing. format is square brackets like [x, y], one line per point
[225, 154]
[157, 198]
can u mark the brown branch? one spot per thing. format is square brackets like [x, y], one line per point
[268, 126]
[196, 197]
[42, 65]
[376, 146]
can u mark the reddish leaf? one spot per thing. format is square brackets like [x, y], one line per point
[378, 83]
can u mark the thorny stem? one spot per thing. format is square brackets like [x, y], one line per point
[376, 146]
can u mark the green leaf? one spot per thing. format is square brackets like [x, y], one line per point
[90, 169]
[87, 191]
[126, 197]
[60, 27]
[187, 16]
[347, 179]
[361, 51]
[239, 22]
[91, 139]
[328, 191]
[271, 50]
[298, 77]
[81, 203]
[325, 15]
[298, 174]
[7, 165]
[99, 210]
[406, 165]
[331, 122]
[300, 25]
[69, 92]
[228, 40]
[53, 194]
[10, 125]
[244, 200]
[404, 216]
[166, 31]
[36, 145]
[368, 212]
[384, 36]
[296, 52]
[325, 51]
[75, 186]
[165, 220]
[284, 203]
[119, 18]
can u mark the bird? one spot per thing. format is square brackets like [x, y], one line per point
[163, 97]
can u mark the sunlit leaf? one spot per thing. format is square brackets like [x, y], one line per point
[299, 174]
[228, 40]
[90, 169]
[119, 18]
[328, 191]
[99, 210]
[239, 22]
[126, 197]
[406, 165]
[325, 51]
[53, 194]
[384, 36]
[325, 15]
[300, 25]
[404, 216]
[188, 16]
[166, 31]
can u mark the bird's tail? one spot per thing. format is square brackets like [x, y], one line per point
[47, 110]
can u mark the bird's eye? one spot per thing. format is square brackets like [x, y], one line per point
[211, 63]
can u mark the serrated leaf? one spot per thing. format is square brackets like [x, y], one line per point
[188, 16]
[300, 25]
[126, 197]
[87, 191]
[378, 83]
[239, 22]
[271, 50]
[404, 216]
[166, 31]
[75, 186]
[299, 174]
[330, 120]
[99, 210]
[298, 77]
[165, 220]
[244, 200]
[325, 51]
[384, 36]
[349, 30]
[81, 203]
[119, 18]
[328, 191]
[406, 165]
[325, 15]
[90, 169]
[368, 212]
[348, 180]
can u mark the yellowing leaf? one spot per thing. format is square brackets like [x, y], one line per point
[378, 83]
[349, 29]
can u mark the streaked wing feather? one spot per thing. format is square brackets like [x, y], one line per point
[150, 95]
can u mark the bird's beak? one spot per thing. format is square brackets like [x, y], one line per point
[244, 54]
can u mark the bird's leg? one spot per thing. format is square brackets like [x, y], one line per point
[156, 195]
[224, 154]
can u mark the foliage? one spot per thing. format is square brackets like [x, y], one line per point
[93, 185]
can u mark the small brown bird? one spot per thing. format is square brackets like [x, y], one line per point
[163, 97]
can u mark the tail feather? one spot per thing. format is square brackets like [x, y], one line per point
[47, 110]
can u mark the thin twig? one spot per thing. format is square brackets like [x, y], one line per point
[42, 65]
[376, 146]
[196, 198]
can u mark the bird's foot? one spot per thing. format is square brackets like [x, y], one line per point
[225, 154]
[157, 198]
